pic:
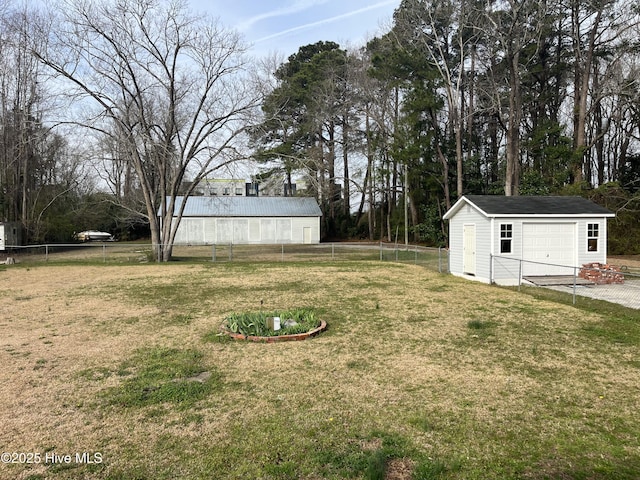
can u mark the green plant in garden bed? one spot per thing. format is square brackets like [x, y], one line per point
[296, 321]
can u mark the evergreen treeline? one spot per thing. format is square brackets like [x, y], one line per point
[513, 98]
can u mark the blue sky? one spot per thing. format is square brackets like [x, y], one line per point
[284, 26]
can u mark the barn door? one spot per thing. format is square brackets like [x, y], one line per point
[469, 249]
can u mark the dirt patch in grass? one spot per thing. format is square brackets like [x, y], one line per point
[467, 380]
[399, 469]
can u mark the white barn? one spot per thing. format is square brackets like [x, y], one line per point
[498, 239]
[248, 220]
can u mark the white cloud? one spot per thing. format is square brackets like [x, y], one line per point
[295, 7]
[326, 20]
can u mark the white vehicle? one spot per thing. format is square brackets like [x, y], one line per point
[94, 236]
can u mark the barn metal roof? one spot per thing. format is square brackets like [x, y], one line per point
[249, 207]
[554, 206]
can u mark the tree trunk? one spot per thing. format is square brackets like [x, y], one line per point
[444, 162]
[346, 188]
[471, 106]
[445, 176]
[414, 218]
[390, 196]
[582, 74]
[512, 178]
[370, 176]
[331, 169]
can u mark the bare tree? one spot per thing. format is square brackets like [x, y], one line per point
[379, 109]
[169, 88]
[511, 27]
[598, 29]
[30, 154]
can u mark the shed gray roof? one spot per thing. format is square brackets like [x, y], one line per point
[554, 206]
[249, 207]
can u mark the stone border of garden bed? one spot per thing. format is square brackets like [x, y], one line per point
[278, 338]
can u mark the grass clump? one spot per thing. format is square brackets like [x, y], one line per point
[478, 324]
[292, 322]
[163, 375]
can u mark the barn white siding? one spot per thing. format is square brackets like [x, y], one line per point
[299, 225]
[283, 230]
[254, 230]
[224, 230]
[248, 220]
[207, 231]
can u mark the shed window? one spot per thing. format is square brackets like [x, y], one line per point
[506, 236]
[238, 191]
[226, 191]
[593, 233]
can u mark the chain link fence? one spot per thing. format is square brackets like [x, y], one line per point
[129, 253]
[613, 283]
[617, 284]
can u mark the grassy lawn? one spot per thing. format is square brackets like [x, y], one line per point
[420, 375]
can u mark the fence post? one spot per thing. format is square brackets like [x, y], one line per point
[231, 252]
[416, 255]
[491, 269]
[519, 274]
[104, 253]
[575, 275]
[380, 250]
[213, 253]
[282, 248]
[439, 259]
[46, 253]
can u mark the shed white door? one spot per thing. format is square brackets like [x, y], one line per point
[306, 234]
[549, 245]
[469, 249]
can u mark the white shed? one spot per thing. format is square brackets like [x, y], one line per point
[498, 239]
[248, 220]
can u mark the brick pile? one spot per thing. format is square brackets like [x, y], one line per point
[601, 273]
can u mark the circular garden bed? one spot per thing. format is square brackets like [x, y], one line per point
[279, 326]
